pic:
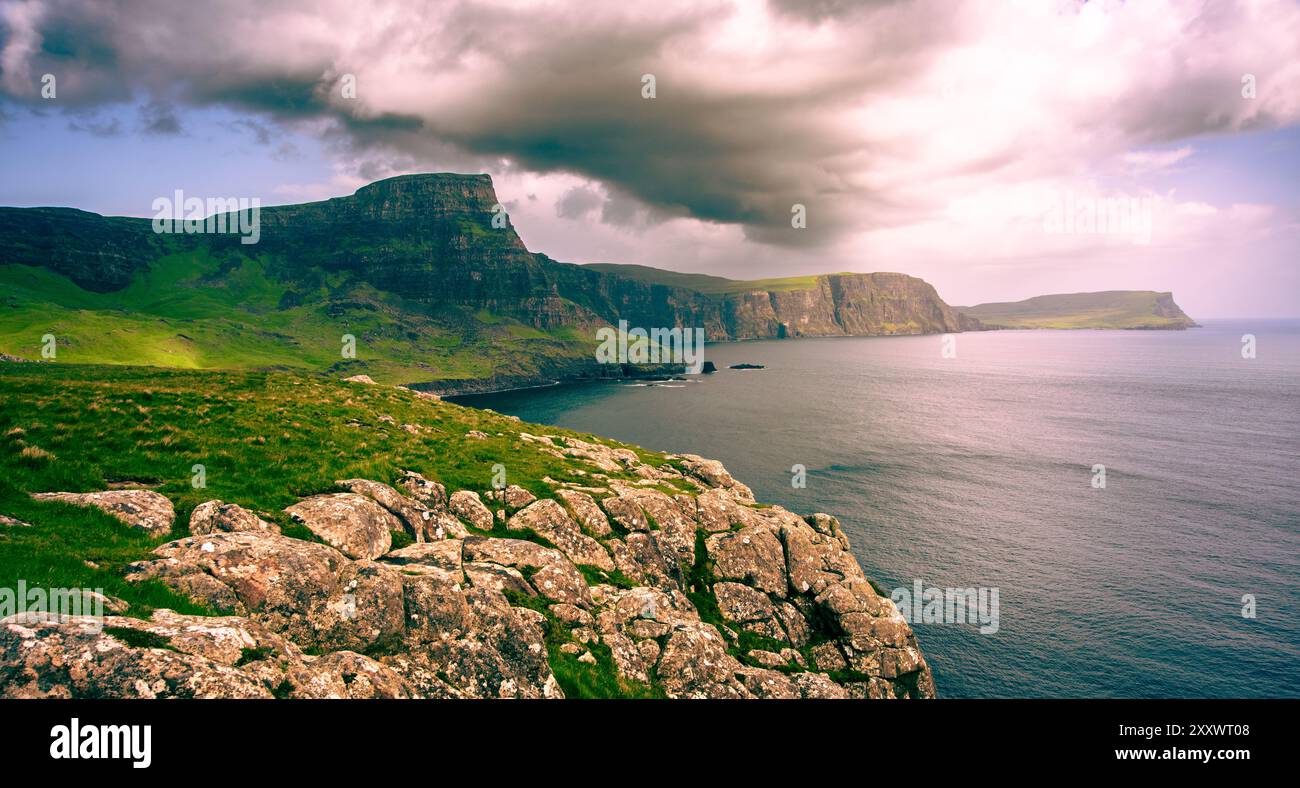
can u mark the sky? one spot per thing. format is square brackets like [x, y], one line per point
[999, 149]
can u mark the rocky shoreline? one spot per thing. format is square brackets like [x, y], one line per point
[679, 583]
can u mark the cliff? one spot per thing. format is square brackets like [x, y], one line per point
[1126, 309]
[389, 565]
[416, 269]
[842, 304]
[430, 237]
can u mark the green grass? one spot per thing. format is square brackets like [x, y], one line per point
[265, 439]
[200, 310]
[1131, 309]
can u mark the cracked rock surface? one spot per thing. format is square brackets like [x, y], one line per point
[674, 583]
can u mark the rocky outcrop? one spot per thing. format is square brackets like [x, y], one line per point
[212, 517]
[145, 510]
[354, 524]
[175, 656]
[467, 505]
[700, 593]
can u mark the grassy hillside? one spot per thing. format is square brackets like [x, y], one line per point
[201, 310]
[1130, 309]
[710, 285]
[265, 439]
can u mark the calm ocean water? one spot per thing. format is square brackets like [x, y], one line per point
[976, 471]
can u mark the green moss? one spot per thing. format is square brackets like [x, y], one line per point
[699, 584]
[136, 638]
[252, 655]
[283, 690]
[594, 575]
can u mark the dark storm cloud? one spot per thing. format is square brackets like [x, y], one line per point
[758, 107]
[566, 99]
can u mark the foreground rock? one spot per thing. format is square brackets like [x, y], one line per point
[609, 567]
[217, 516]
[354, 524]
[173, 656]
[146, 510]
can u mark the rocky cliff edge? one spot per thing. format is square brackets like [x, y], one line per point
[662, 580]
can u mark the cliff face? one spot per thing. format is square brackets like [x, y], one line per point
[99, 253]
[843, 305]
[431, 239]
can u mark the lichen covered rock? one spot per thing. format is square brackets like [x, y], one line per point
[355, 525]
[689, 593]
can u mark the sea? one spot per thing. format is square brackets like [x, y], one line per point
[1131, 496]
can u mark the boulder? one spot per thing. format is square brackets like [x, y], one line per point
[64, 658]
[752, 556]
[694, 663]
[588, 513]
[549, 571]
[364, 678]
[658, 560]
[309, 592]
[657, 510]
[442, 556]
[474, 638]
[626, 513]
[355, 525]
[414, 515]
[548, 519]
[466, 504]
[606, 458]
[717, 510]
[215, 516]
[741, 604]
[713, 474]
[430, 493]
[516, 497]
